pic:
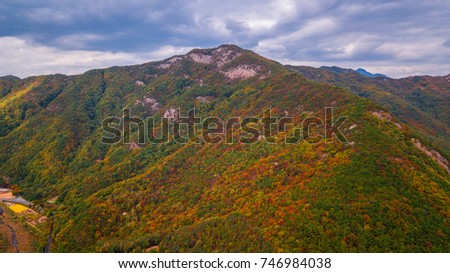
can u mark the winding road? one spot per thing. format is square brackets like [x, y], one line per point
[14, 241]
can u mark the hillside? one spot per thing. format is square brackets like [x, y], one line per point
[419, 101]
[385, 189]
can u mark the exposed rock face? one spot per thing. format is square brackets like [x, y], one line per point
[171, 114]
[134, 146]
[385, 116]
[206, 99]
[201, 58]
[170, 62]
[382, 115]
[139, 83]
[398, 125]
[241, 72]
[149, 102]
[219, 56]
[431, 153]
[224, 55]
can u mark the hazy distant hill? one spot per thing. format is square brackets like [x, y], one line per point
[384, 190]
[360, 71]
[368, 74]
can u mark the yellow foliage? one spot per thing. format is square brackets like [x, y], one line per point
[18, 208]
[17, 94]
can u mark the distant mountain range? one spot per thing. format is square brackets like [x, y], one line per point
[385, 189]
[360, 71]
[368, 74]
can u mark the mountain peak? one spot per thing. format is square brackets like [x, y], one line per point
[223, 47]
[229, 60]
[220, 55]
[368, 74]
[10, 78]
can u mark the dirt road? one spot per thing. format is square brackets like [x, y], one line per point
[19, 239]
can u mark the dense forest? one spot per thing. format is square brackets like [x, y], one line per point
[386, 189]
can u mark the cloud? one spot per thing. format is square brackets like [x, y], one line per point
[47, 15]
[315, 27]
[405, 51]
[398, 38]
[23, 58]
[167, 51]
[78, 40]
[347, 32]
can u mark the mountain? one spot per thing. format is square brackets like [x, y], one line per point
[379, 188]
[421, 102]
[368, 74]
[360, 71]
[337, 69]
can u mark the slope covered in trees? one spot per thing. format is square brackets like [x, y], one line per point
[375, 192]
[419, 101]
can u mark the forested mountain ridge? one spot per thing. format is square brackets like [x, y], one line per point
[419, 101]
[377, 192]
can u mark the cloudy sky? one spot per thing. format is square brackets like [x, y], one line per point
[397, 38]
